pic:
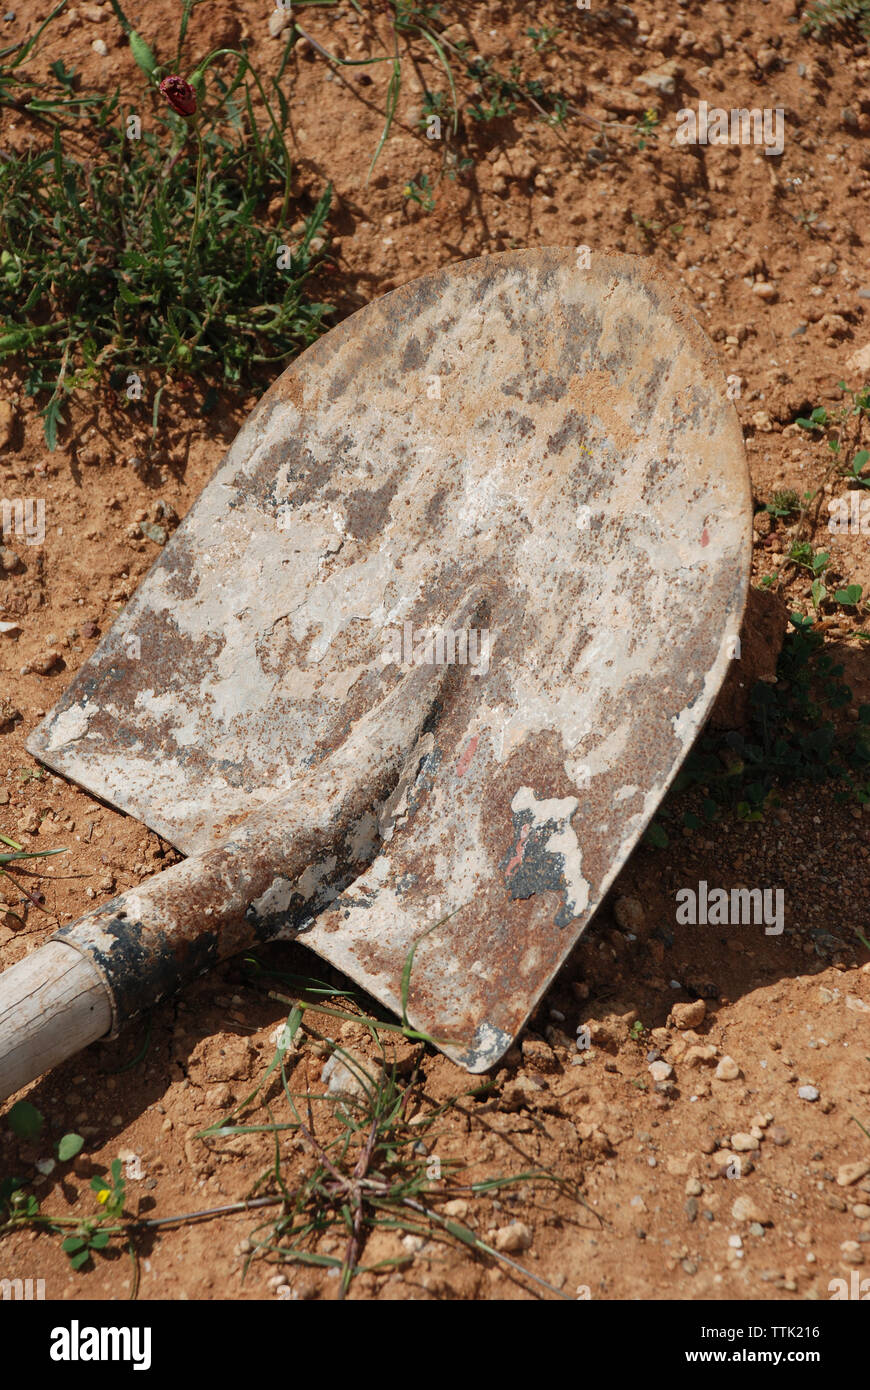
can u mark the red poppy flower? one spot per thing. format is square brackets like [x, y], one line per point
[179, 94]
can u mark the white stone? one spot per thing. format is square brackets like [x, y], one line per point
[727, 1070]
[660, 1071]
[513, 1238]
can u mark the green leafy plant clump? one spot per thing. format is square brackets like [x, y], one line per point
[97, 274]
[162, 248]
[827, 17]
[784, 503]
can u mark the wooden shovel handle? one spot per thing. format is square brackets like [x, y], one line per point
[52, 1004]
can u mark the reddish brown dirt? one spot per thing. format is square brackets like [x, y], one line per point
[790, 1010]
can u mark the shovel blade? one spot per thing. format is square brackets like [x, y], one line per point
[558, 437]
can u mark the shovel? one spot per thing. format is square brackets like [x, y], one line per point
[412, 677]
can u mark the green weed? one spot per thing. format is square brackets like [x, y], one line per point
[841, 429]
[826, 18]
[115, 266]
[784, 503]
[373, 1169]
[646, 127]
[18, 856]
[859, 462]
[543, 38]
[420, 191]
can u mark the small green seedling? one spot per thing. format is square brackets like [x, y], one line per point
[420, 191]
[17, 1207]
[783, 504]
[544, 37]
[69, 1147]
[80, 1247]
[801, 554]
[111, 1196]
[849, 597]
[25, 1121]
[817, 421]
[858, 463]
[89, 1238]
[646, 127]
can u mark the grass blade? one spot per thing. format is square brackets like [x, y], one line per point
[393, 89]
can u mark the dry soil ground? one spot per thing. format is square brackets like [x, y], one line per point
[786, 298]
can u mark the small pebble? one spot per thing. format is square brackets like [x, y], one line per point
[513, 1238]
[744, 1143]
[689, 1015]
[727, 1070]
[42, 665]
[99, 47]
[724, 1161]
[849, 1173]
[279, 20]
[808, 1093]
[458, 1208]
[744, 1209]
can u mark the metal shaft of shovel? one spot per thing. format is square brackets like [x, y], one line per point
[276, 870]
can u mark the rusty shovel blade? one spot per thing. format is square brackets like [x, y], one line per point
[503, 512]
